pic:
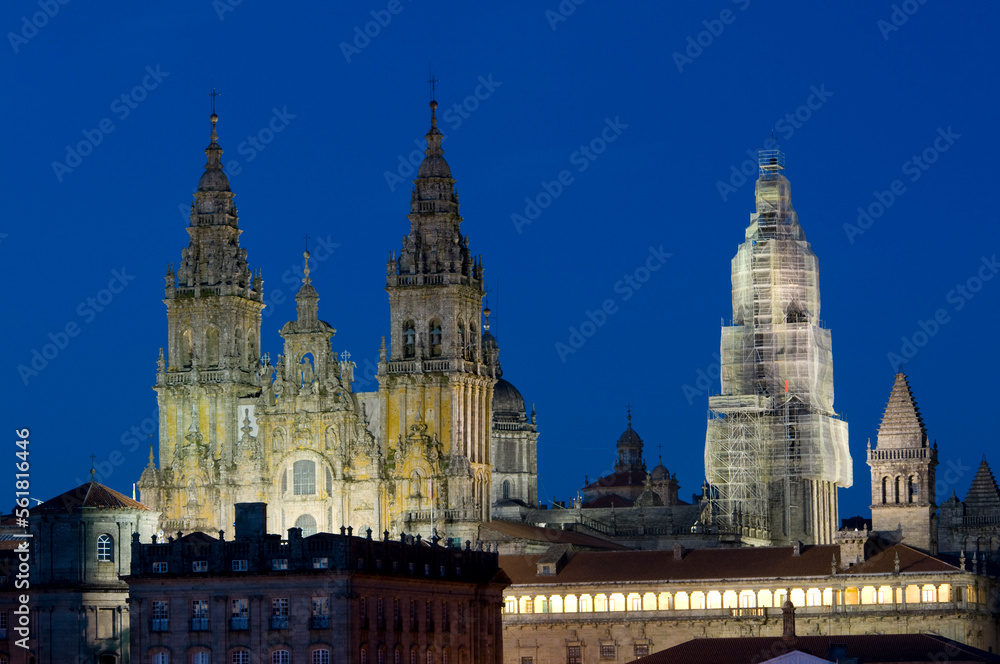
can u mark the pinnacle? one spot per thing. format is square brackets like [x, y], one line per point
[902, 425]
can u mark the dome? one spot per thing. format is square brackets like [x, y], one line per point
[213, 180]
[629, 436]
[434, 166]
[660, 473]
[506, 399]
[489, 342]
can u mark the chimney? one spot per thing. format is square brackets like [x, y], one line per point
[788, 617]
[678, 551]
[251, 520]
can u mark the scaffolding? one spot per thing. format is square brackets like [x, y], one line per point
[772, 432]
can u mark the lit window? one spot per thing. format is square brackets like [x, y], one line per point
[607, 651]
[161, 658]
[320, 618]
[199, 566]
[928, 595]
[160, 567]
[105, 549]
[279, 613]
[304, 477]
[641, 650]
[636, 604]
[239, 615]
[281, 657]
[321, 656]
[239, 565]
[573, 655]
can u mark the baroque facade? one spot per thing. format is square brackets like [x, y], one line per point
[429, 451]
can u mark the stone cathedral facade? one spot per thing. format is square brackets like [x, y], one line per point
[415, 456]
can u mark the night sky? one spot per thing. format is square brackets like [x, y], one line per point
[597, 149]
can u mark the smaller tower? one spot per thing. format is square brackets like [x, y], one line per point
[630, 450]
[902, 465]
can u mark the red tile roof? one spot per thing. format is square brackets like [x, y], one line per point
[868, 648]
[621, 566]
[910, 560]
[548, 535]
[90, 494]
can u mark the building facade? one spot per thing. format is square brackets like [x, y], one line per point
[322, 599]
[80, 544]
[603, 607]
[417, 455]
[775, 450]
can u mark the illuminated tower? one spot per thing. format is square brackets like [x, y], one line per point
[775, 450]
[211, 366]
[435, 387]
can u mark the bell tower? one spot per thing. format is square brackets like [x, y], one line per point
[211, 363]
[435, 387]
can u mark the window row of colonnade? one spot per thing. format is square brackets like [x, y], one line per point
[682, 600]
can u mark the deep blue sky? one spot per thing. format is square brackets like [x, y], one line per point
[885, 97]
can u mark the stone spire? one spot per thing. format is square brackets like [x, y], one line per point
[902, 425]
[435, 244]
[983, 494]
[306, 302]
[213, 256]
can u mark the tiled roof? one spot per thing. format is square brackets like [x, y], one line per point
[90, 494]
[610, 500]
[910, 560]
[623, 566]
[620, 478]
[869, 648]
[548, 535]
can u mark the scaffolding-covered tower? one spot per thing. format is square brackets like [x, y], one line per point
[775, 450]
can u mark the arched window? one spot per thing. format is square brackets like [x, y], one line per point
[409, 341]
[506, 489]
[473, 335]
[304, 477]
[913, 490]
[251, 347]
[460, 350]
[202, 657]
[281, 657]
[307, 523]
[899, 489]
[321, 656]
[211, 347]
[364, 656]
[329, 482]
[435, 337]
[187, 348]
[241, 657]
[885, 490]
[161, 658]
[105, 548]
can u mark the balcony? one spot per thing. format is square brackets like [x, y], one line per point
[241, 623]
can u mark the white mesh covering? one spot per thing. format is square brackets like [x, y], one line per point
[774, 419]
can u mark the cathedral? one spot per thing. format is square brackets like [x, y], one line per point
[442, 438]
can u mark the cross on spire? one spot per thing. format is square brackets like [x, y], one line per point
[213, 94]
[432, 81]
[306, 238]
